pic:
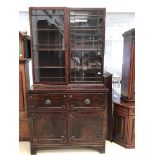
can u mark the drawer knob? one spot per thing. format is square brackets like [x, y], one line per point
[87, 101]
[48, 102]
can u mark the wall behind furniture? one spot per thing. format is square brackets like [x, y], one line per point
[116, 24]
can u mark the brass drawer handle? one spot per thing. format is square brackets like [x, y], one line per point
[48, 102]
[87, 101]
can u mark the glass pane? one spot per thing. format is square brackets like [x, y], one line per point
[86, 66]
[86, 45]
[52, 74]
[86, 21]
[86, 40]
[47, 12]
[49, 64]
[51, 58]
[48, 45]
[48, 32]
[87, 12]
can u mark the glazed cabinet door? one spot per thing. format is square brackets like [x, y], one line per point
[87, 127]
[86, 33]
[49, 128]
[48, 29]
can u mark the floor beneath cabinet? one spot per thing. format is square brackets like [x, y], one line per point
[111, 149]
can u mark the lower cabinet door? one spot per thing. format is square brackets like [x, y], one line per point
[49, 128]
[87, 128]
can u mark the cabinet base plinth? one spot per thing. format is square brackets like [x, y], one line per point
[100, 148]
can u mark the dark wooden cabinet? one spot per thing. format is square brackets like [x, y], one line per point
[24, 46]
[23, 82]
[68, 117]
[67, 104]
[24, 55]
[128, 66]
[124, 124]
[124, 105]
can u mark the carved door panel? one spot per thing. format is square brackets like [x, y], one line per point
[50, 128]
[87, 127]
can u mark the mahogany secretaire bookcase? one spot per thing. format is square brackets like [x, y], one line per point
[67, 104]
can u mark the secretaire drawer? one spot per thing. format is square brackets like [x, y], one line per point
[89, 101]
[56, 101]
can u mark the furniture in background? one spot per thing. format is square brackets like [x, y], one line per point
[24, 45]
[23, 80]
[67, 104]
[124, 104]
[24, 55]
[116, 81]
[124, 123]
[128, 67]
